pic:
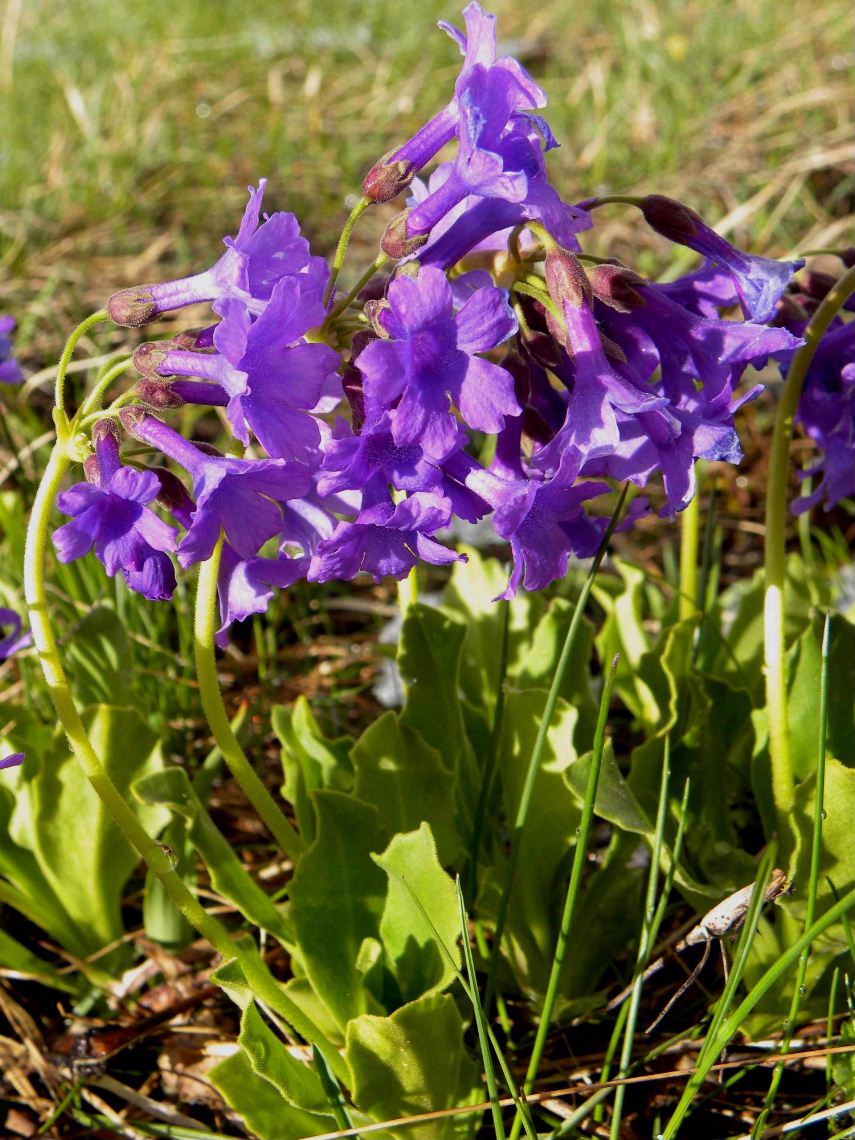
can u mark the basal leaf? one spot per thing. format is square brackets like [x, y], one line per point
[98, 656]
[337, 898]
[171, 788]
[270, 1058]
[414, 957]
[264, 1110]
[413, 1062]
[79, 850]
[309, 761]
[407, 781]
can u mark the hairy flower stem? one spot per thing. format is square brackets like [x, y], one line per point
[537, 755]
[259, 979]
[212, 703]
[68, 352]
[93, 401]
[345, 301]
[338, 260]
[690, 519]
[783, 782]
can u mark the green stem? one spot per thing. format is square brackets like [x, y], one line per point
[212, 703]
[690, 530]
[93, 401]
[68, 352]
[348, 298]
[783, 782]
[579, 857]
[537, 754]
[338, 260]
[259, 979]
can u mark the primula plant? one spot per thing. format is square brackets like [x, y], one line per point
[450, 901]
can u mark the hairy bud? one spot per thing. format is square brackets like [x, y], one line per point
[130, 417]
[566, 279]
[670, 218]
[387, 178]
[158, 394]
[195, 340]
[148, 356]
[373, 311]
[131, 308]
[616, 286]
[396, 243]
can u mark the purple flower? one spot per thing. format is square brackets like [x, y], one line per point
[826, 412]
[10, 370]
[14, 639]
[759, 281]
[245, 585]
[430, 357]
[242, 498]
[544, 520]
[512, 85]
[386, 539]
[254, 262]
[13, 761]
[110, 512]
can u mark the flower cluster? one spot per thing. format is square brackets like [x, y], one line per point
[465, 386]
[826, 409]
[10, 370]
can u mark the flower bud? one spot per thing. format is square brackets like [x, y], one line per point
[148, 356]
[158, 394]
[395, 242]
[670, 218]
[131, 417]
[195, 340]
[373, 311]
[132, 307]
[387, 179]
[566, 279]
[615, 286]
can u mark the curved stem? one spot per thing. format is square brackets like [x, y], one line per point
[259, 979]
[68, 352]
[338, 260]
[783, 782]
[689, 537]
[341, 305]
[93, 401]
[215, 712]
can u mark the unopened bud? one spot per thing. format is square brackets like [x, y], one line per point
[396, 243]
[158, 394]
[92, 470]
[173, 494]
[195, 340]
[374, 311]
[132, 307]
[816, 285]
[148, 356]
[387, 178]
[670, 218]
[566, 279]
[130, 417]
[615, 286]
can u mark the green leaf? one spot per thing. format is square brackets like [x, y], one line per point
[414, 1062]
[623, 632]
[310, 761]
[264, 1110]
[415, 958]
[271, 1059]
[534, 665]
[805, 663]
[15, 956]
[615, 799]
[549, 836]
[337, 898]
[171, 788]
[407, 781]
[79, 850]
[99, 660]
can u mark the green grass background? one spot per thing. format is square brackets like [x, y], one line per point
[128, 132]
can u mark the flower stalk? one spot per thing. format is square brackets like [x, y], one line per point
[212, 703]
[783, 781]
